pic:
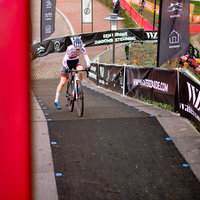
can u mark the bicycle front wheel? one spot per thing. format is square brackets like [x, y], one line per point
[69, 96]
[80, 98]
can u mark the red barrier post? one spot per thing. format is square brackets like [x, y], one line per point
[15, 148]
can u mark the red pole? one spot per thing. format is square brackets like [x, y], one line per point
[15, 147]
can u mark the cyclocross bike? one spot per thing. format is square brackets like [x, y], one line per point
[75, 92]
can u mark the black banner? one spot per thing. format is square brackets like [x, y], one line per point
[108, 76]
[189, 99]
[173, 39]
[106, 37]
[111, 77]
[47, 18]
[157, 85]
[94, 73]
[60, 44]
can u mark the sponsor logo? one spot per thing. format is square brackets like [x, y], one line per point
[174, 39]
[152, 35]
[151, 84]
[48, 29]
[194, 96]
[102, 72]
[174, 7]
[40, 50]
[48, 16]
[57, 45]
[48, 4]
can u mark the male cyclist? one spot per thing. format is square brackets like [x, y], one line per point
[71, 60]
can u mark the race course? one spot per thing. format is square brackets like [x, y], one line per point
[115, 151]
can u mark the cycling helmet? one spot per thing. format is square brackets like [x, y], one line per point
[198, 61]
[77, 43]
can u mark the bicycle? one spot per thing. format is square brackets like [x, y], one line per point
[75, 92]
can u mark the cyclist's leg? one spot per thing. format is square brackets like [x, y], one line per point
[59, 88]
[80, 74]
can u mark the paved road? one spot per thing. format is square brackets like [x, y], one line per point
[114, 151]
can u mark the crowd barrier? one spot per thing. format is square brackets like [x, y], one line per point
[141, 22]
[168, 86]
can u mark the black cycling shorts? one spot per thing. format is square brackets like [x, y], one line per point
[72, 64]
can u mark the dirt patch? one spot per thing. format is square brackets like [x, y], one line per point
[195, 38]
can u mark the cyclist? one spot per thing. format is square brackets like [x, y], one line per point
[71, 60]
[142, 4]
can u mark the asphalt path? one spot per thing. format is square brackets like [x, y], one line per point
[114, 151]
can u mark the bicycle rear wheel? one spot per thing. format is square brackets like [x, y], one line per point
[80, 98]
[69, 97]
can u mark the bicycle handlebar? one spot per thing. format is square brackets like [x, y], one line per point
[81, 70]
[78, 70]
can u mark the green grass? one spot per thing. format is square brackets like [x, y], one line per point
[128, 21]
[196, 7]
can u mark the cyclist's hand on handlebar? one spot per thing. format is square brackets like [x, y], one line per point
[67, 70]
[87, 69]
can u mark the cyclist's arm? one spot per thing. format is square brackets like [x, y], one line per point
[87, 60]
[86, 57]
[65, 59]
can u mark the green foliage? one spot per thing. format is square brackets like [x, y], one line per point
[150, 49]
[107, 3]
[160, 105]
[150, 61]
[196, 7]
[128, 21]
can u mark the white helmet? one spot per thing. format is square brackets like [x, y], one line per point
[77, 43]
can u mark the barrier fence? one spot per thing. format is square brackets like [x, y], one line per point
[141, 22]
[168, 86]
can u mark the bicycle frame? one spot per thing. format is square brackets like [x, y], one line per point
[74, 79]
[75, 93]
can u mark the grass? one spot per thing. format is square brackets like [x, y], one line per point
[128, 21]
[196, 7]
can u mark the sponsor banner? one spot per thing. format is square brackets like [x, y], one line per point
[55, 45]
[47, 18]
[89, 39]
[93, 74]
[173, 38]
[136, 79]
[196, 19]
[87, 11]
[189, 99]
[157, 85]
[191, 12]
[151, 35]
[111, 77]
[107, 76]
[165, 86]
[106, 37]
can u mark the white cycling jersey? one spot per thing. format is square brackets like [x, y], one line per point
[72, 55]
